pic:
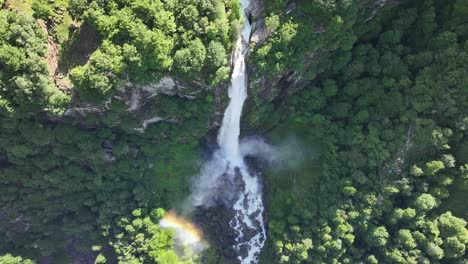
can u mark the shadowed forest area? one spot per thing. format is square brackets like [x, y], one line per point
[94, 151]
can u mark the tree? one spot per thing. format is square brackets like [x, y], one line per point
[42, 10]
[24, 74]
[140, 239]
[100, 259]
[216, 54]
[349, 190]
[448, 160]
[378, 236]
[416, 171]
[454, 248]
[190, 59]
[433, 167]
[406, 239]
[425, 202]
[435, 251]
[10, 259]
[77, 7]
[450, 225]
[440, 137]
[464, 172]
[272, 22]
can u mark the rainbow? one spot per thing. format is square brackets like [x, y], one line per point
[186, 232]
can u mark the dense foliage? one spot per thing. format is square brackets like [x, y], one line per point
[308, 29]
[388, 134]
[383, 122]
[25, 85]
[137, 41]
[142, 240]
[304, 39]
[59, 181]
[145, 40]
[66, 180]
[9, 259]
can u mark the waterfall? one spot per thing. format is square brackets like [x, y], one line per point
[249, 205]
[225, 178]
[228, 137]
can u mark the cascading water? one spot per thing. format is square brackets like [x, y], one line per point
[228, 137]
[248, 207]
[225, 179]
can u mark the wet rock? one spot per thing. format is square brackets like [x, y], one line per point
[260, 33]
[107, 144]
[147, 122]
[217, 220]
[214, 222]
[174, 87]
[256, 9]
[108, 157]
[227, 189]
[81, 112]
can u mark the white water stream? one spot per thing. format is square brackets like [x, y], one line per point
[249, 205]
[225, 178]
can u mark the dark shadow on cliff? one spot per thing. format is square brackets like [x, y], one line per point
[76, 52]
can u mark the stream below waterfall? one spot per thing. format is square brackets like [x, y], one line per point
[248, 221]
[226, 195]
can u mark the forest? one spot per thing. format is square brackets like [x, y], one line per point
[379, 106]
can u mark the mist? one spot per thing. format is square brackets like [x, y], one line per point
[215, 183]
[288, 154]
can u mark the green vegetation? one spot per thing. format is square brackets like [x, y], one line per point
[62, 181]
[141, 240]
[9, 259]
[139, 42]
[388, 135]
[383, 120]
[310, 29]
[145, 40]
[65, 179]
[24, 80]
[306, 38]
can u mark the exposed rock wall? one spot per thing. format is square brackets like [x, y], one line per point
[257, 14]
[262, 88]
[138, 99]
[276, 89]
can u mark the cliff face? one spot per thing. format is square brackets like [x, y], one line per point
[137, 100]
[257, 15]
[262, 89]
[322, 36]
[286, 83]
